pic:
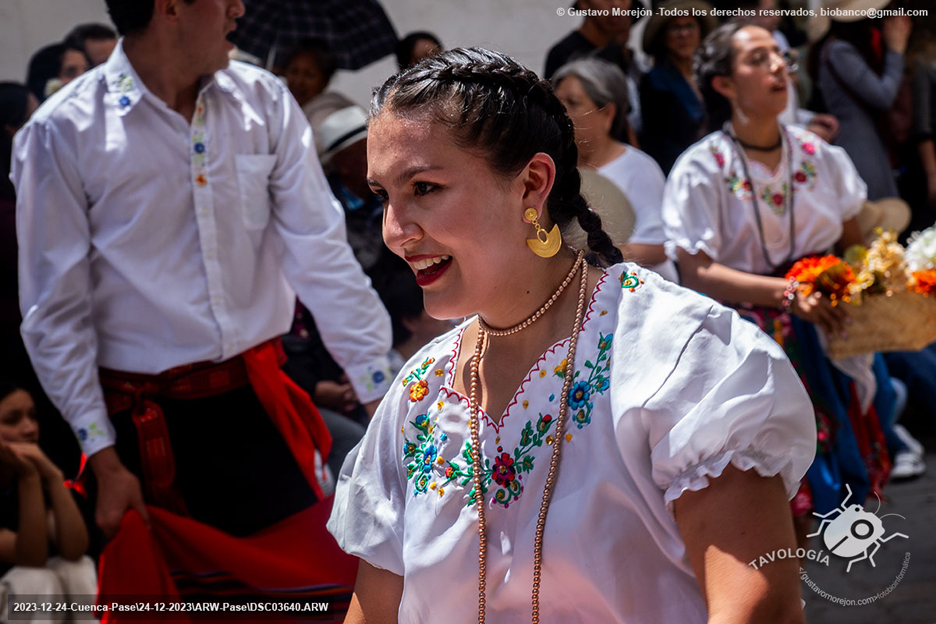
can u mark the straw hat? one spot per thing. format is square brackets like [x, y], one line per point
[890, 213]
[607, 200]
[340, 129]
[851, 11]
[707, 21]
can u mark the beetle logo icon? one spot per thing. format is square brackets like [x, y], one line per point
[854, 531]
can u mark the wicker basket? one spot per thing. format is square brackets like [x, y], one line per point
[902, 321]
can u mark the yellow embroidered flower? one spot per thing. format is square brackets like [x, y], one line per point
[561, 368]
[201, 180]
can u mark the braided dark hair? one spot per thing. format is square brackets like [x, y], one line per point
[495, 105]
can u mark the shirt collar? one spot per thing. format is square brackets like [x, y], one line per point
[125, 89]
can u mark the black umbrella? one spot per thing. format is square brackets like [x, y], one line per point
[358, 31]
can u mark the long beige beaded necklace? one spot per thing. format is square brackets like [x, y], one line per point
[483, 330]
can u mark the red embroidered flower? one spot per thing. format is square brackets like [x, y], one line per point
[809, 148]
[777, 199]
[747, 185]
[800, 177]
[504, 472]
[201, 180]
[719, 159]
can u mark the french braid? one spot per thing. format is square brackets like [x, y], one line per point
[494, 104]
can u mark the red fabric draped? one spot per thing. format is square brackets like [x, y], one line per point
[295, 561]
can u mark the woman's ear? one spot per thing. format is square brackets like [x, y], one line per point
[537, 180]
[609, 112]
[724, 86]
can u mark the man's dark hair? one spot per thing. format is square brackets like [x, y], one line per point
[130, 16]
[406, 45]
[81, 33]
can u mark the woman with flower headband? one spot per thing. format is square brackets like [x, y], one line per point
[591, 445]
[740, 207]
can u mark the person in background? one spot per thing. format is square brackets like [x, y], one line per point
[604, 36]
[43, 538]
[594, 93]
[96, 40]
[858, 67]
[17, 105]
[745, 203]
[415, 47]
[308, 68]
[767, 17]
[53, 67]
[670, 100]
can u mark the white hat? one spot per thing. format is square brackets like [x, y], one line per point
[845, 11]
[340, 129]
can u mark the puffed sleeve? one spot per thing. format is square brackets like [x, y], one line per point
[732, 398]
[690, 208]
[367, 515]
[849, 187]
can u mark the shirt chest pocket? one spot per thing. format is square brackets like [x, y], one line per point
[253, 180]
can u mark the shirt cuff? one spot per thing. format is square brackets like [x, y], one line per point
[94, 433]
[371, 381]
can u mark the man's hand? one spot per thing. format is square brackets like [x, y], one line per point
[118, 491]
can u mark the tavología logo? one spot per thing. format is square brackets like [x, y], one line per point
[850, 532]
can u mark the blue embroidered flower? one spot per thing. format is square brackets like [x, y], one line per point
[82, 435]
[378, 377]
[578, 395]
[125, 101]
[602, 384]
[443, 437]
[199, 148]
[421, 420]
[428, 457]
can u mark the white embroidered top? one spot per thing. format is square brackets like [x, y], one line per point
[656, 408]
[707, 201]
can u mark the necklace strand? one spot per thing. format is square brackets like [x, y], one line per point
[474, 408]
[536, 315]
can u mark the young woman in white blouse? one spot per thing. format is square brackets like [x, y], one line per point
[742, 205]
[590, 445]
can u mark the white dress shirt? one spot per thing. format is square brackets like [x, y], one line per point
[148, 241]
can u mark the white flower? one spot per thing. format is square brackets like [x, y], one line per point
[921, 250]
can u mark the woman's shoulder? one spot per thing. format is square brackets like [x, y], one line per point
[708, 155]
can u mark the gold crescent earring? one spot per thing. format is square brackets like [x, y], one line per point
[546, 244]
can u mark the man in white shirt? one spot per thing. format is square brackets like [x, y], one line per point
[168, 206]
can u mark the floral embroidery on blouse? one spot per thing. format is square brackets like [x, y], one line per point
[630, 281]
[420, 387]
[719, 157]
[806, 175]
[91, 433]
[776, 198]
[428, 468]
[580, 395]
[739, 187]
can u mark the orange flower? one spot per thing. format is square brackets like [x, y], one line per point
[924, 282]
[828, 274]
[418, 391]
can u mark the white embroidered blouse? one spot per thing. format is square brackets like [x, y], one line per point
[669, 388]
[707, 201]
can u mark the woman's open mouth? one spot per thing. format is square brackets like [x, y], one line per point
[430, 268]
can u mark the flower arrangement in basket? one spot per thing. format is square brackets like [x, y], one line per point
[890, 293]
